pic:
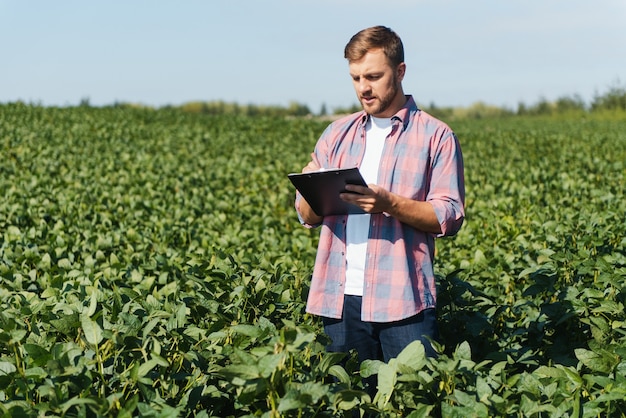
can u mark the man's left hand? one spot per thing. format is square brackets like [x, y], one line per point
[372, 199]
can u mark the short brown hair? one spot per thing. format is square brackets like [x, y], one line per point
[372, 38]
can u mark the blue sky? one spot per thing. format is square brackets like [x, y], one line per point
[275, 52]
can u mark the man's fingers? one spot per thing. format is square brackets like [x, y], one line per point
[354, 188]
[311, 166]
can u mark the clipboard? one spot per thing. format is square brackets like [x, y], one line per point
[321, 189]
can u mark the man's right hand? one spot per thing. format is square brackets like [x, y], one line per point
[311, 166]
[308, 215]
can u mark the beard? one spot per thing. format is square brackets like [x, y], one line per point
[382, 103]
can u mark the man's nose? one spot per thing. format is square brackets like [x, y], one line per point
[363, 86]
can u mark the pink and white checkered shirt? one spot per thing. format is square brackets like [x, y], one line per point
[422, 160]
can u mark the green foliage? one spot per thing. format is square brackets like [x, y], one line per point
[568, 106]
[478, 110]
[612, 104]
[613, 99]
[347, 110]
[151, 264]
[223, 108]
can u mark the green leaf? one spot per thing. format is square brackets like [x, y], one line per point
[147, 367]
[290, 402]
[247, 330]
[349, 399]
[572, 375]
[412, 357]
[93, 304]
[240, 371]
[340, 373]
[329, 359]
[270, 363]
[463, 351]
[7, 368]
[483, 391]
[598, 362]
[387, 377]
[370, 367]
[464, 399]
[550, 372]
[91, 329]
[65, 406]
[36, 373]
[38, 354]
[66, 324]
[422, 410]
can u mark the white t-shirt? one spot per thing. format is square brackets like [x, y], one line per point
[358, 226]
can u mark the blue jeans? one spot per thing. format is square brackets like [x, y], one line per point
[378, 341]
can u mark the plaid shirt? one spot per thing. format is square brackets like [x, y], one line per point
[422, 160]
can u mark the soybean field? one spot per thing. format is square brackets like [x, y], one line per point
[152, 264]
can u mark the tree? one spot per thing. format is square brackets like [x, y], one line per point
[614, 99]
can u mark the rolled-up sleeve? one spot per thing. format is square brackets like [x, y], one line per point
[298, 201]
[447, 188]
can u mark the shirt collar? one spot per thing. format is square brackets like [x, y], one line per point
[403, 115]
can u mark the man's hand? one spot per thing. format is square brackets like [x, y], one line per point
[308, 215]
[375, 199]
[311, 166]
[372, 199]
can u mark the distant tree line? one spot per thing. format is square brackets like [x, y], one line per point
[612, 100]
[221, 108]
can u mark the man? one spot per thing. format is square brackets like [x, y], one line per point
[373, 281]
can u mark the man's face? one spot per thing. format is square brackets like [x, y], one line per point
[378, 84]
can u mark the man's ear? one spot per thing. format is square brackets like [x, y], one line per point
[401, 70]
